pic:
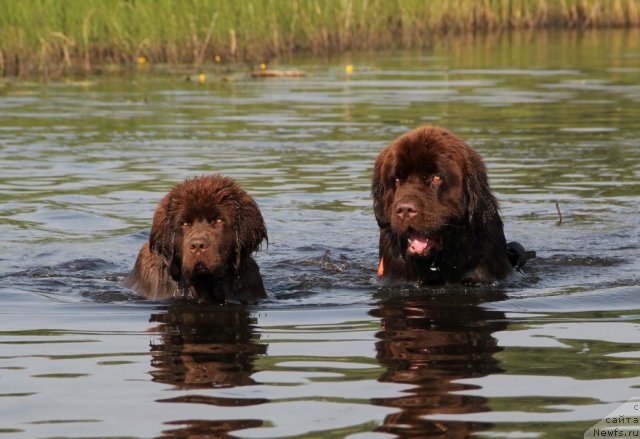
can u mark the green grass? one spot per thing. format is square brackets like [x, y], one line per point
[63, 36]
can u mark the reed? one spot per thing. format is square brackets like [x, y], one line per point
[64, 36]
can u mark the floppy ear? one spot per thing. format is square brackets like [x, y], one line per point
[481, 205]
[484, 220]
[483, 216]
[161, 237]
[377, 188]
[250, 229]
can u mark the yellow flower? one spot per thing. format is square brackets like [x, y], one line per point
[348, 69]
[217, 58]
[202, 78]
[263, 66]
[141, 60]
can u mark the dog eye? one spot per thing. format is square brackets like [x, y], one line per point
[396, 181]
[186, 223]
[436, 179]
[219, 220]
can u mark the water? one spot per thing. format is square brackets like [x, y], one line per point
[329, 354]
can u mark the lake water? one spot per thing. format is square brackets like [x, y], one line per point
[329, 354]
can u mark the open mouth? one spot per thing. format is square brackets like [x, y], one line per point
[420, 245]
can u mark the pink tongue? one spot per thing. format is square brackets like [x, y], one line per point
[418, 245]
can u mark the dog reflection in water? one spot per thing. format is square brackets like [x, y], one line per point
[203, 347]
[430, 343]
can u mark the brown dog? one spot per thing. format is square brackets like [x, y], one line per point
[204, 231]
[438, 219]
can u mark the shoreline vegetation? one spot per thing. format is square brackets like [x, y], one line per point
[64, 37]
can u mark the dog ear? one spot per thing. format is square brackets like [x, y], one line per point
[163, 234]
[481, 206]
[377, 188]
[483, 216]
[250, 229]
[161, 237]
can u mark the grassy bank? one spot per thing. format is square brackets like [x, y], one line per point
[55, 37]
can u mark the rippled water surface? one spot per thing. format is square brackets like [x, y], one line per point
[329, 354]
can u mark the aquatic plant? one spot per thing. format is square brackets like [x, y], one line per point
[62, 36]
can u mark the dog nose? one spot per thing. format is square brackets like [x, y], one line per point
[198, 244]
[406, 209]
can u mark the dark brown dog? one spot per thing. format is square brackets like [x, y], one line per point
[439, 221]
[204, 231]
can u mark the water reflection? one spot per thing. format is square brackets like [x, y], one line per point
[431, 342]
[554, 114]
[204, 347]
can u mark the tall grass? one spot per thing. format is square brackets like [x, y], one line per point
[62, 36]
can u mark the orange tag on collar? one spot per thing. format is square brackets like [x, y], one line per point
[381, 268]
